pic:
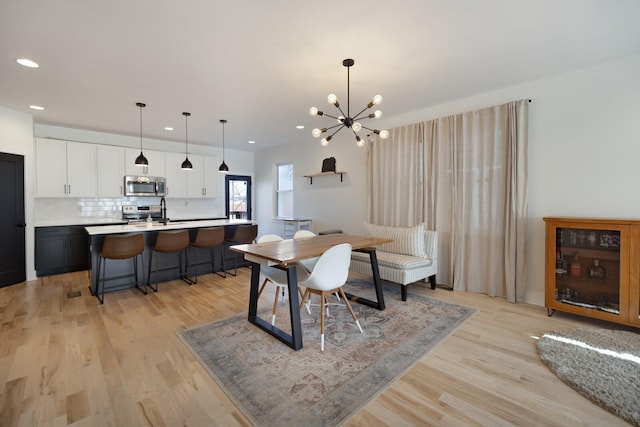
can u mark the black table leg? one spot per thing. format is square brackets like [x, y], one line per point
[379, 303]
[293, 340]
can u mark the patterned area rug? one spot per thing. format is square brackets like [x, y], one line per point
[274, 385]
[600, 364]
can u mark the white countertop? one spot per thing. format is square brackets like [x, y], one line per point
[156, 226]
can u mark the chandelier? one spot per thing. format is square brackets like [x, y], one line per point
[346, 120]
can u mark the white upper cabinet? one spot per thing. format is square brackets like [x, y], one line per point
[176, 177]
[110, 171]
[202, 181]
[211, 176]
[156, 163]
[65, 168]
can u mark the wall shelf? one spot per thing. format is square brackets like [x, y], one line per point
[324, 174]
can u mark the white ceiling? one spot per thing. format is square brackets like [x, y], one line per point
[261, 64]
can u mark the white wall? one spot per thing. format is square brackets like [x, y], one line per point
[584, 157]
[329, 203]
[16, 137]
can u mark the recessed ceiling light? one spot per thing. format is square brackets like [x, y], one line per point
[168, 128]
[27, 62]
[299, 127]
[36, 107]
[252, 142]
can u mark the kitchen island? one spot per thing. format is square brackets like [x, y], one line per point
[150, 232]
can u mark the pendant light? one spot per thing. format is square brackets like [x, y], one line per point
[223, 166]
[186, 165]
[345, 120]
[141, 160]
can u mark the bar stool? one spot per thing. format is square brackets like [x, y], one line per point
[119, 247]
[209, 238]
[174, 241]
[243, 234]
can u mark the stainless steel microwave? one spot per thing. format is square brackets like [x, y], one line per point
[144, 186]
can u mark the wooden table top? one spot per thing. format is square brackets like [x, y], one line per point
[290, 250]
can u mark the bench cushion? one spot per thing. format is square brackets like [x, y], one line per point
[406, 240]
[399, 261]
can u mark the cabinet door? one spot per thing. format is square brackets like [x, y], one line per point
[211, 176]
[587, 269]
[81, 170]
[634, 276]
[195, 179]
[176, 177]
[157, 166]
[78, 249]
[156, 161]
[51, 250]
[110, 171]
[51, 168]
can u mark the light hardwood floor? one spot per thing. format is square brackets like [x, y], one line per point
[70, 361]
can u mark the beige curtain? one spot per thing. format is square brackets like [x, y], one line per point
[473, 172]
[395, 178]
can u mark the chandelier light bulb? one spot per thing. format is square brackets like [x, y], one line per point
[356, 127]
[324, 142]
[316, 132]
[340, 119]
[377, 114]
[359, 141]
[332, 98]
[313, 111]
[384, 134]
[377, 100]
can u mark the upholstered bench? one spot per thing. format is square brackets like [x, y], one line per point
[412, 256]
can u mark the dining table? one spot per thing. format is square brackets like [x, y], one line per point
[285, 255]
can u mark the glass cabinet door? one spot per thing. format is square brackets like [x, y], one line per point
[591, 274]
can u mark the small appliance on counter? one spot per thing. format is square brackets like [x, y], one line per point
[134, 214]
[141, 186]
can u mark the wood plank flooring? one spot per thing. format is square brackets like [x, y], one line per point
[70, 361]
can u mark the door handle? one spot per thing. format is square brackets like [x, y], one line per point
[21, 225]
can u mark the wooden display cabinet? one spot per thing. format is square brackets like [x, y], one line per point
[592, 268]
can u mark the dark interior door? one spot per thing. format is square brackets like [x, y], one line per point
[12, 221]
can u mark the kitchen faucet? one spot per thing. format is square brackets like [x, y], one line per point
[163, 208]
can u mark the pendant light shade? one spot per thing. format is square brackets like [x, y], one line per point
[141, 160]
[186, 165]
[223, 166]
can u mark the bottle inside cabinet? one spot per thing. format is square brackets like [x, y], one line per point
[588, 268]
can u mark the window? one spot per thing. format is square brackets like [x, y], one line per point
[284, 191]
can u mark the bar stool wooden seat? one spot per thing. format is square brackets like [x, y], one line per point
[171, 241]
[209, 238]
[243, 234]
[119, 247]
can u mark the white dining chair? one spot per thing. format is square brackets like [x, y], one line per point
[329, 274]
[304, 234]
[277, 277]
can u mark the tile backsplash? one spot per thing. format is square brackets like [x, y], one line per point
[66, 211]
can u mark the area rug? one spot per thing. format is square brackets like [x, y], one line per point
[274, 385]
[602, 365]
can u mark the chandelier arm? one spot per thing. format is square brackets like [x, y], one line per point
[342, 112]
[334, 126]
[364, 127]
[357, 116]
[329, 115]
[338, 130]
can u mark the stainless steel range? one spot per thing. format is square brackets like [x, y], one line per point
[140, 213]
